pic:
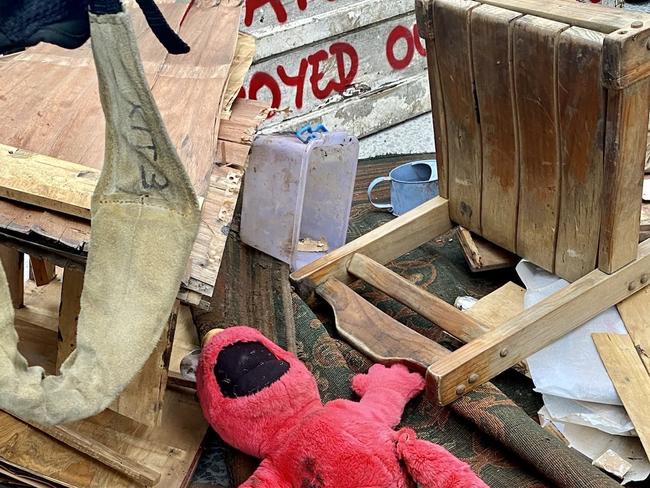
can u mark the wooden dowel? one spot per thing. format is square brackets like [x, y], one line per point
[137, 472]
[447, 317]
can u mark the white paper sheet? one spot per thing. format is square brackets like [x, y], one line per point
[611, 419]
[593, 443]
[570, 367]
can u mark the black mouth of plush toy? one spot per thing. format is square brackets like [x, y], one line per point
[245, 368]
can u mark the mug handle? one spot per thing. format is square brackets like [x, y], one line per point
[432, 163]
[372, 186]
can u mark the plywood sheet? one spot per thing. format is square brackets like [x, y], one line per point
[50, 103]
[171, 449]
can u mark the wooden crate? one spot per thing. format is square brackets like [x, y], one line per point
[541, 116]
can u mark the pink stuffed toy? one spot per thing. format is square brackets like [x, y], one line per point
[263, 401]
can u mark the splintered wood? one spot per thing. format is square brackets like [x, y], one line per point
[541, 116]
[483, 255]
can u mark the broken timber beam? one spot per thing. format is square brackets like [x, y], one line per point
[481, 360]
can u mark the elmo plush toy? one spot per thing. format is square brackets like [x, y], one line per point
[263, 401]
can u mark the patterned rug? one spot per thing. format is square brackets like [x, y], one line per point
[252, 290]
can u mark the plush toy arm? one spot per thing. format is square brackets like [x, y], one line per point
[385, 391]
[432, 466]
[265, 476]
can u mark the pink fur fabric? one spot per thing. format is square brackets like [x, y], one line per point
[342, 444]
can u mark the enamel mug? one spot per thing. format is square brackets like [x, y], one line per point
[411, 185]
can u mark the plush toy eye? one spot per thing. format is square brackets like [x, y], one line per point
[245, 368]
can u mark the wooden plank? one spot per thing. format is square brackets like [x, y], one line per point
[41, 271]
[535, 73]
[451, 19]
[185, 340]
[71, 288]
[447, 317]
[187, 88]
[393, 338]
[499, 306]
[135, 471]
[170, 449]
[202, 73]
[582, 100]
[259, 14]
[142, 400]
[424, 15]
[626, 59]
[439, 120]
[482, 255]
[240, 127]
[12, 261]
[216, 216]
[389, 341]
[630, 379]
[241, 63]
[383, 244]
[362, 58]
[593, 17]
[492, 58]
[647, 151]
[635, 312]
[46, 182]
[331, 21]
[366, 112]
[625, 143]
[232, 154]
[537, 327]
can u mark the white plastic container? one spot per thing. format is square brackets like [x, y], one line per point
[297, 196]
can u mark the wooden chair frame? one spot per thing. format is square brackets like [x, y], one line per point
[487, 352]
[623, 269]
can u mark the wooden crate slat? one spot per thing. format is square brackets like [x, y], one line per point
[534, 44]
[593, 17]
[452, 23]
[492, 58]
[635, 312]
[582, 103]
[625, 148]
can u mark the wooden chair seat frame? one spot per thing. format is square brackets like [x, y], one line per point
[623, 264]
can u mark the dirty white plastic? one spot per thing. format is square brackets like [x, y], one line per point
[297, 197]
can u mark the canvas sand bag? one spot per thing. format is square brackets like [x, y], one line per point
[145, 217]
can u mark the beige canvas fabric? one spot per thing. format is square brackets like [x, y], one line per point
[145, 217]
